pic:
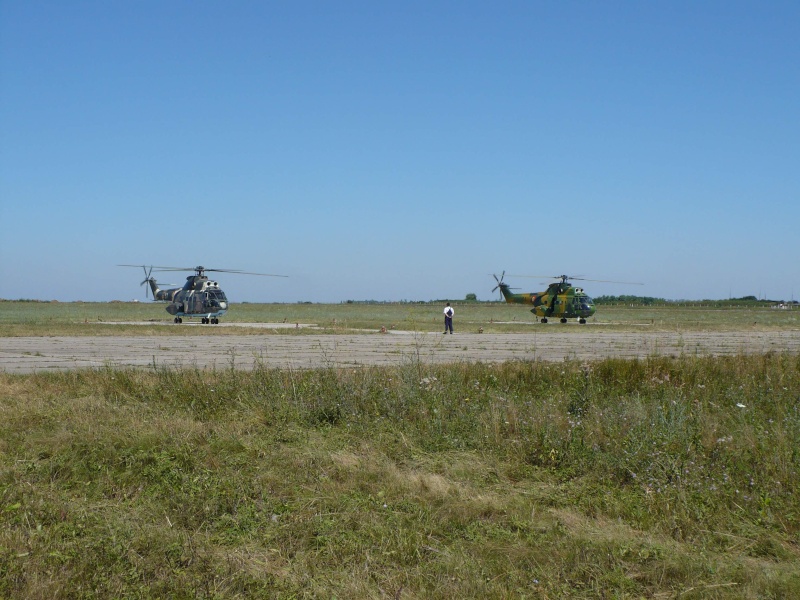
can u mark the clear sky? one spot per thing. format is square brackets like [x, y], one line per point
[400, 150]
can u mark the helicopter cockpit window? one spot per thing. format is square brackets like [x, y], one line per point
[217, 295]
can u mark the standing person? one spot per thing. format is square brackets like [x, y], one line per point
[448, 318]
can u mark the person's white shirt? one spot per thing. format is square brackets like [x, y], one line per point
[448, 311]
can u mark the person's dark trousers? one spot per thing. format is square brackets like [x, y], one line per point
[448, 324]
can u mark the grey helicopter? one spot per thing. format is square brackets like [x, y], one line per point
[199, 296]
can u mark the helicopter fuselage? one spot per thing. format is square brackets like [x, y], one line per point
[199, 297]
[559, 300]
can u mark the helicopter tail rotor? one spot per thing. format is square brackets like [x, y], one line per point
[501, 285]
[147, 279]
[499, 281]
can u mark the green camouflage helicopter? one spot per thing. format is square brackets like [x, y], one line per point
[199, 296]
[560, 299]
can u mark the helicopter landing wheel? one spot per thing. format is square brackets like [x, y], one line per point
[544, 319]
[563, 320]
[582, 321]
[215, 321]
[178, 320]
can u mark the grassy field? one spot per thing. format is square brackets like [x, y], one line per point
[661, 478]
[93, 318]
[657, 478]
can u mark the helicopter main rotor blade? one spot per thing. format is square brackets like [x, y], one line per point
[609, 281]
[159, 268]
[156, 268]
[605, 281]
[568, 278]
[137, 266]
[237, 272]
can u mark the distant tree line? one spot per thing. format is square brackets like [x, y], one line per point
[650, 301]
[628, 299]
[469, 298]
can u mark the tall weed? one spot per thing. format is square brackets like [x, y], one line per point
[608, 479]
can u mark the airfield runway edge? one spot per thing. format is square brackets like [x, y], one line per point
[36, 354]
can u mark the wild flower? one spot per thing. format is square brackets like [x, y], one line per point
[427, 382]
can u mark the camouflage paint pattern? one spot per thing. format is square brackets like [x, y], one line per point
[199, 297]
[560, 300]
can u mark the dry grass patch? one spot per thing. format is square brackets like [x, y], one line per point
[467, 481]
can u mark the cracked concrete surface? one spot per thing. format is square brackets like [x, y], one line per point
[32, 354]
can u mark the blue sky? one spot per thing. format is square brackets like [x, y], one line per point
[400, 151]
